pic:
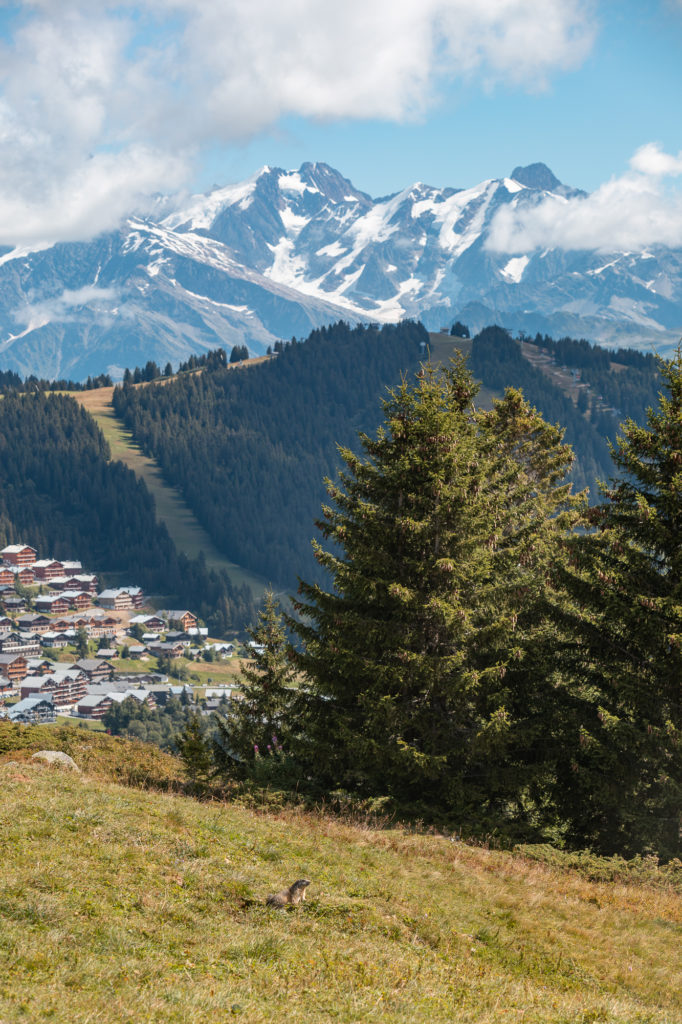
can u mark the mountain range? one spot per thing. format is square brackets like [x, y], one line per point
[287, 251]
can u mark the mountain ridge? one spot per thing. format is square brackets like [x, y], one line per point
[285, 252]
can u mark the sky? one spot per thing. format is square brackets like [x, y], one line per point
[103, 105]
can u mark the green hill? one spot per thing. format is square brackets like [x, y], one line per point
[124, 904]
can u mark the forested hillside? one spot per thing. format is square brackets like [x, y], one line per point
[249, 448]
[59, 493]
[614, 386]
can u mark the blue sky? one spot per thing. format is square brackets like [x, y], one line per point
[103, 104]
[585, 124]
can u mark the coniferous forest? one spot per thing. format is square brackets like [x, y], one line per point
[59, 493]
[250, 447]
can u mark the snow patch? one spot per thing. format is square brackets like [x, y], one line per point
[514, 269]
[293, 182]
[293, 224]
[333, 250]
[512, 185]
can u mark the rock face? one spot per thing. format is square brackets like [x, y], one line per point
[287, 251]
[57, 757]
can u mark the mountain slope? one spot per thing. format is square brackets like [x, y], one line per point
[121, 905]
[288, 251]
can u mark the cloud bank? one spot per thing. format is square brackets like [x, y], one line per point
[103, 103]
[639, 209]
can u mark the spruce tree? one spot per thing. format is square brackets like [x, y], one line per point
[621, 782]
[194, 751]
[443, 532]
[267, 694]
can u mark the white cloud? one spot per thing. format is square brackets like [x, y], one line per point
[62, 308]
[643, 207]
[117, 98]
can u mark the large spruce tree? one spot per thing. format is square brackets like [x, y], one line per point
[444, 532]
[620, 783]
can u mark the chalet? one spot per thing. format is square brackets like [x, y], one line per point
[13, 668]
[85, 581]
[177, 636]
[178, 617]
[34, 623]
[40, 666]
[13, 603]
[51, 603]
[150, 623]
[139, 652]
[71, 567]
[22, 574]
[77, 599]
[136, 596]
[96, 669]
[107, 652]
[27, 644]
[18, 554]
[33, 710]
[142, 696]
[58, 640]
[48, 569]
[174, 650]
[6, 576]
[67, 686]
[163, 692]
[115, 600]
[94, 706]
[6, 623]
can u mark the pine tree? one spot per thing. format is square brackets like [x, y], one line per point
[621, 785]
[443, 533]
[259, 721]
[194, 751]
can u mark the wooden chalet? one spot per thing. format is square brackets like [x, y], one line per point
[96, 669]
[27, 644]
[34, 623]
[179, 617]
[78, 599]
[13, 668]
[6, 576]
[51, 603]
[34, 710]
[150, 623]
[67, 687]
[18, 554]
[94, 706]
[48, 569]
[22, 574]
[115, 600]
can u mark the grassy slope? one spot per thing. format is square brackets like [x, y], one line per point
[187, 533]
[120, 904]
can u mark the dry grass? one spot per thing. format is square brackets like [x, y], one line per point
[121, 905]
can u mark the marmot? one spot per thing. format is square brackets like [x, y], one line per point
[293, 895]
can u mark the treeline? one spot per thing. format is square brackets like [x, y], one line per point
[250, 451]
[152, 371]
[488, 653]
[11, 381]
[59, 492]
